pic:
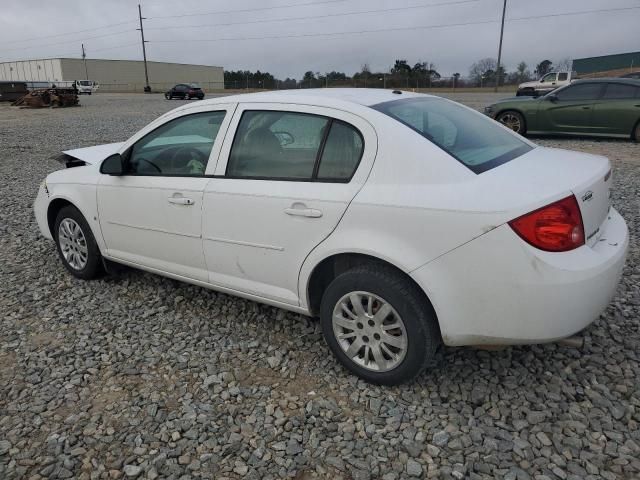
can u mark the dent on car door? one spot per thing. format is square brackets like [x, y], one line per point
[572, 109]
[285, 178]
[151, 215]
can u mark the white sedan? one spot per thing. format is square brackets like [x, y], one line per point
[402, 220]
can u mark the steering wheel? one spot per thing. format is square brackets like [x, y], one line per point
[192, 155]
[142, 159]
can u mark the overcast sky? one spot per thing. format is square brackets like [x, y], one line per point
[397, 32]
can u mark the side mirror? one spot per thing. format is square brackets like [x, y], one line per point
[552, 97]
[112, 165]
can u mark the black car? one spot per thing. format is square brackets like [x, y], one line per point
[10, 91]
[185, 92]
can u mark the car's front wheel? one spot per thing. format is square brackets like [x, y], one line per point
[379, 324]
[513, 120]
[636, 132]
[76, 245]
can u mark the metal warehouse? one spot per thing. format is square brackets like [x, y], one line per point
[113, 75]
[608, 65]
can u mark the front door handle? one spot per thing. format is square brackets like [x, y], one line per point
[180, 201]
[300, 210]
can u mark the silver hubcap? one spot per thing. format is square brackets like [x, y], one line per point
[369, 331]
[73, 244]
[512, 121]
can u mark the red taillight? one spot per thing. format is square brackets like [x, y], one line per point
[554, 228]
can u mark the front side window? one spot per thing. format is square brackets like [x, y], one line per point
[180, 147]
[620, 91]
[582, 91]
[474, 140]
[550, 77]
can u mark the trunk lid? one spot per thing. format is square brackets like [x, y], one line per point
[594, 198]
[544, 175]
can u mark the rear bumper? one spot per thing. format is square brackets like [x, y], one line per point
[498, 290]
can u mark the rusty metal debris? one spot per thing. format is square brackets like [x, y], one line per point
[48, 97]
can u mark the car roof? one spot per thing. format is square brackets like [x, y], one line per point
[629, 81]
[322, 96]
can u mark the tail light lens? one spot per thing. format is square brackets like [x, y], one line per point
[554, 228]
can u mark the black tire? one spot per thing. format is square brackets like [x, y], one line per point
[422, 332]
[635, 136]
[503, 117]
[89, 93]
[93, 267]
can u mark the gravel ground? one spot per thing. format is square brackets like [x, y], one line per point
[141, 376]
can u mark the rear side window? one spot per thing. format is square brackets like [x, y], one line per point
[473, 139]
[562, 76]
[342, 152]
[620, 91]
[294, 146]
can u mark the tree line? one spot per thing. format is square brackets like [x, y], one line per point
[401, 74]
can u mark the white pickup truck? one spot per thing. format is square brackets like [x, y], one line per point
[546, 84]
[86, 86]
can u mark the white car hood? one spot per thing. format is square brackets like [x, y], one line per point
[93, 155]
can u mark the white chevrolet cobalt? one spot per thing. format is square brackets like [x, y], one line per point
[402, 220]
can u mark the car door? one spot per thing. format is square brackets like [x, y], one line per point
[618, 111]
[547, 83]
[151, 215]
[570, 109]
[285, 178]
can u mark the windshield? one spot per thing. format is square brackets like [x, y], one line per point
[85, 83]
[473, 139]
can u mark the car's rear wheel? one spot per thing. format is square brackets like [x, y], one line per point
[76, 244]
[513, 120]
[636, 133]
[379, 324]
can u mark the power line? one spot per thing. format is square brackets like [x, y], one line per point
[602, 10]
[68, 33]
[396, 29]
[315, 17]
[245, 10]
[70, 41]
[74, 53]
[354, 32]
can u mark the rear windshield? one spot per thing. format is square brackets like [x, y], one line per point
[473, 139]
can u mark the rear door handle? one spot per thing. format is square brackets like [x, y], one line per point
[180, 200]
[301, 210]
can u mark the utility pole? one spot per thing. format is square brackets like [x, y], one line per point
[147, 88]
[84, 59]
[504, 9]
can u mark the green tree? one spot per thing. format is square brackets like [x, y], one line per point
[544, 67]
[483, 71]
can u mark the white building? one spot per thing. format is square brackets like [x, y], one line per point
[113, 75]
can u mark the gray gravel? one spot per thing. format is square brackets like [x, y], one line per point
[138, 376]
